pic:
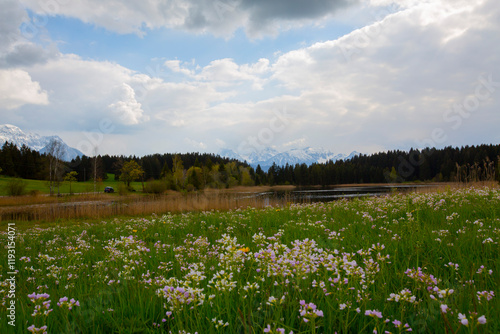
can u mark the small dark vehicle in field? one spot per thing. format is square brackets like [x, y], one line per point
[109, 190]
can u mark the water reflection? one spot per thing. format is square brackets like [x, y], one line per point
[304, 195]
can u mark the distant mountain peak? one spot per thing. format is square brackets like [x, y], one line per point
[10, 126]
[13, 134]
[295, 155]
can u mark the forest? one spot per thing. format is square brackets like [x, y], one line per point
[465, 164]
[192, 171]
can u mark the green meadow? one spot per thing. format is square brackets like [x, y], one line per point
[425, 263]
[42, 187]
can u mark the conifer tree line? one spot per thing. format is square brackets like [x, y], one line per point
[465, 164]
[192, 171]
[22, 162]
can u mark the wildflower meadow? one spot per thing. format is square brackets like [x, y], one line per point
[424, 263]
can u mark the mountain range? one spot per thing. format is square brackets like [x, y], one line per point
[265, 157]
[268, 156]
[18, 137]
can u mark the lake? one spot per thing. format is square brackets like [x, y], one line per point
[307, 195]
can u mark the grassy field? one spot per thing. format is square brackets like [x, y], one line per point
[76, 187]
[425, 262]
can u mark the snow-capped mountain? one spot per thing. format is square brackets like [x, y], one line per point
[228, 153]
[268, 156]
[267, 153]
[15, 135]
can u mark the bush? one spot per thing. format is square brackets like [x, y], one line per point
[155, 187]
[190, 188]
[16, 187]
[34, 192]
[122, 189]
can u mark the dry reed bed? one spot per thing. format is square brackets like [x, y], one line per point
[100, 207]
[6, 201]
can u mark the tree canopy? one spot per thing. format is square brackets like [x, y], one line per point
[130, 172]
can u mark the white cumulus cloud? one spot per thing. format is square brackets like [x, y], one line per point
[127, 108]
[17, 89]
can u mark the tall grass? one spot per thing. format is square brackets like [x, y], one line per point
[35, 208]
[429, 262]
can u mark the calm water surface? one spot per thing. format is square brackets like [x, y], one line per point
[301, 195]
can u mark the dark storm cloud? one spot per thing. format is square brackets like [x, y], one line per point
[196, 19]
[11, 16]
[220, 17]
[16, 49]
[264, 10]
[256, 16]
[26, 54]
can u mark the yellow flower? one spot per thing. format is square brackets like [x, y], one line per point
[244, 249]
[134, 231]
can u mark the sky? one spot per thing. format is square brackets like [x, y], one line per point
[156, 76]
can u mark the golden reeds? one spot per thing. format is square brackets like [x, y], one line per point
[476, 172]
[101, 206]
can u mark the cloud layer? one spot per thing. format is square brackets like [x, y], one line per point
[220, 17]
[417, 68]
